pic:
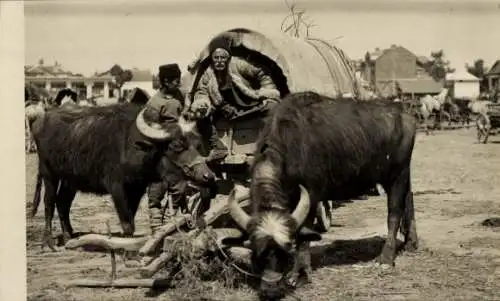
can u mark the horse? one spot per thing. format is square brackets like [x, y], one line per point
[429, 105]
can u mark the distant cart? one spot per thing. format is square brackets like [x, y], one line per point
[493, 113]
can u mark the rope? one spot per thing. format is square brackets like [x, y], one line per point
[227, 257]
[329, 67]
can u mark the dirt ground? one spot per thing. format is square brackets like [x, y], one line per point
[456, 183]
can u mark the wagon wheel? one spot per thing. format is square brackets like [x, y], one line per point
[324, 216]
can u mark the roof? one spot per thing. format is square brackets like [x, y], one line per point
[55, 70]
[461, 75]
[420, 85]
[422, 59]
[374, 55]
[139, 75]
[495, 69]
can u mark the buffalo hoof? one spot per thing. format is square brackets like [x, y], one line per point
[385, 260]
[64, 239]
[411, 246]
[48, 241]
[298, 280]
[292, 281]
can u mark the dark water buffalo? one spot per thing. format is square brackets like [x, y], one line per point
[138, 96]
[101, 150]
[313, 149]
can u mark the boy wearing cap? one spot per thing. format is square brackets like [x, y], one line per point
[164, 107]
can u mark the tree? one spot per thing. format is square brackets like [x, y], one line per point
[478, 69]
[120, 77]
[438, 67]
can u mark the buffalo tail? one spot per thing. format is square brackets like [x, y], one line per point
[36, 197]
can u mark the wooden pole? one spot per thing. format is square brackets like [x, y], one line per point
[120, 283]
[106, 242]
[158, 263]
[164, 230]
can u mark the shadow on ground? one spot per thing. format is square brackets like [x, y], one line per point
[346, 252]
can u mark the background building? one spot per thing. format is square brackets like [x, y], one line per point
[54, 78]
[463, 85]
[396, 69]
[140, 79]
[493, 76]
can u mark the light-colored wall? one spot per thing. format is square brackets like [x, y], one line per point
[145, 85]
[466, 89]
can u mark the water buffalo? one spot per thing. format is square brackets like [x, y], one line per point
[103, 150]
[313, 149]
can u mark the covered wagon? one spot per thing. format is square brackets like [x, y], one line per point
[295, 64]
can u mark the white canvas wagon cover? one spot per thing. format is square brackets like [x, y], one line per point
[296, 64]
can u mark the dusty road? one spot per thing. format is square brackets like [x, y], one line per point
[456, 184]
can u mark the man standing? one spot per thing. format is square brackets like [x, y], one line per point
[165, 106]
[229, 87]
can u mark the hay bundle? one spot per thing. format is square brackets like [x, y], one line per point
[197, 264]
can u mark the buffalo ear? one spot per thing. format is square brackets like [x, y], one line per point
[306, 234]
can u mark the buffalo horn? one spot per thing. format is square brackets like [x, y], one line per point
[302, 209]
[236, 212]
[155, 131]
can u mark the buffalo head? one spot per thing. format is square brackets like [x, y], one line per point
[178, 141]
[273, 233]
[183, 154]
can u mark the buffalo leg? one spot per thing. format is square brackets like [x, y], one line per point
[134, 200]
[408, 224]
[126, 203]
[302, 263]
[121, 202]
[49, 201]
[396, 200]
[65, 198]
[302, 258]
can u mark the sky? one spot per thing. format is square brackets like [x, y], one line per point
[89, 36]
